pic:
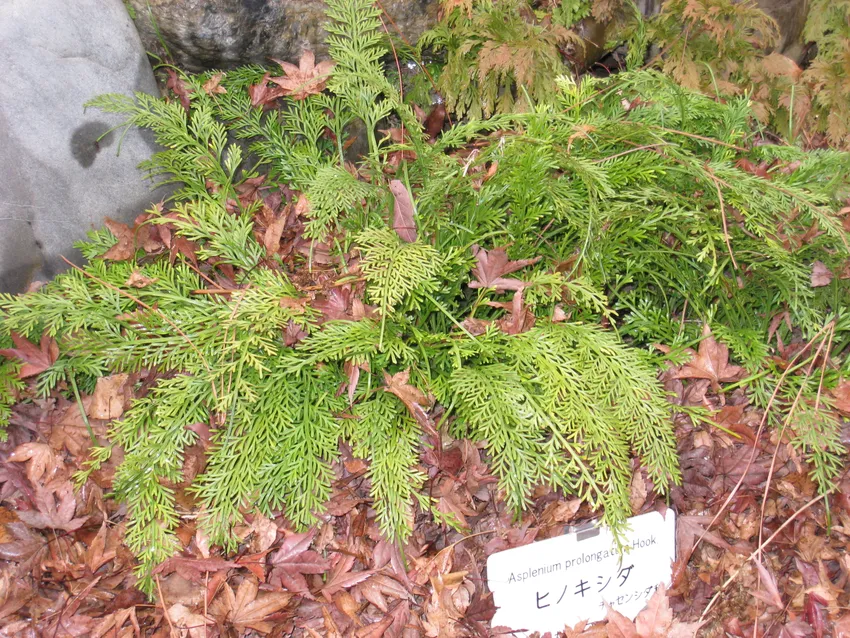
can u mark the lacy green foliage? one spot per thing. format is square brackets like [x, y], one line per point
[499, 58]
[628, 189]
[706, 43]
[499, 53]
[828, 26]
[9, 387]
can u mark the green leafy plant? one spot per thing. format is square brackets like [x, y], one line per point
[499, 57]
[287, 300]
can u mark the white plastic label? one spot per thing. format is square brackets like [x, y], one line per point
[561, 581]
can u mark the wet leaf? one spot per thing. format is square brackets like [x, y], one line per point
[55, 509]
[109, 397]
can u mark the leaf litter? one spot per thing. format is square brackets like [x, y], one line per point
[65, 572]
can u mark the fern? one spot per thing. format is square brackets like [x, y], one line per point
[633, 192]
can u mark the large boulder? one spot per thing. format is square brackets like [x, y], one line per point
[223, 34]
[57, 178]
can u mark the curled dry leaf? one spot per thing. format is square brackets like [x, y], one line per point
[412, 397]
[213, 85]
[109, 398]
[125, 247]
[138, 280]
[180, 88]
[519, 319]
[264, 533]
[404, 223]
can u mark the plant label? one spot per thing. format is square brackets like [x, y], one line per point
[561, 581]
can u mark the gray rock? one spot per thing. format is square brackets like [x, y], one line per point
[57, 181]
[223, 34]
[791, 16]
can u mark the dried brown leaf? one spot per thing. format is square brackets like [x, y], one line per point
[308, 78]
[36, 359]
[213, 85]
[40, 458]
[710, 362]
[492, 266]
[109, 397]
[821, 275]
[56, 506]
[404, 223]
[180, 88]
[768, 590]
[247, 609]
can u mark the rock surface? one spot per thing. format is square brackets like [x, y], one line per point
[791, 16]
[56, 180]
[223, 34]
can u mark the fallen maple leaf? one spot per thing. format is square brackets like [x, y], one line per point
[841, 397]
[55, 508]
[192, 625]
[100, 551]
[403, 221]
[493, 265]
[264, 95]
[308, 78]
[138, 280]
[40, 458]
[36, 359]
[768, 590]
[655, 621]
[295, 558]
[821, 275]
[264, 533]
[341, 576]
[246, 608]
[213, 85]
[125, 247]
[376, 587]
[710, 362]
